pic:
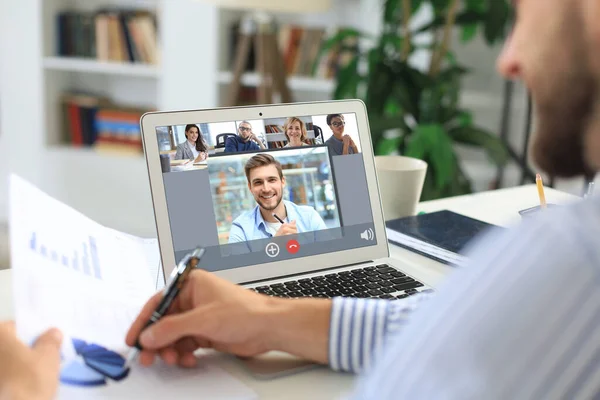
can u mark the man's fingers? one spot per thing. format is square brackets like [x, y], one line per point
[47, 346]
[172, 328]
[142, 319]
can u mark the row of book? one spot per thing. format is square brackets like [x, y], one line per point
[109, 35]
[95, 121]
[302, 50]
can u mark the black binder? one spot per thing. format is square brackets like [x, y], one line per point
[444, 229]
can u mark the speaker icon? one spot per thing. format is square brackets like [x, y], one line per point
[368, 234]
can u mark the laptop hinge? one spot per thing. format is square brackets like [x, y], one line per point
[307, 272]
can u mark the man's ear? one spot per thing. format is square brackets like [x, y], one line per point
[283, 180]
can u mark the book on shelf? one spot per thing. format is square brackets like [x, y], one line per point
[301, 50]
[116, 35]
[95, 121]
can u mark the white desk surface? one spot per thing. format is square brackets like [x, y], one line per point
[498, 207]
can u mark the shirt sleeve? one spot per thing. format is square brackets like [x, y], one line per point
[316, 222]
[360, 328]
[521, 321]
[179, 153]
[230, 145]
[236, 233]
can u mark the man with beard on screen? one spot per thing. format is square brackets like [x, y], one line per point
[272, 215]
[520, 321]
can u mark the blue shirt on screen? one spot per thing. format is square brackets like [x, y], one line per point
[251, 225]
[235, 144]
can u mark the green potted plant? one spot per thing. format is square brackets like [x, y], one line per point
[417, 112]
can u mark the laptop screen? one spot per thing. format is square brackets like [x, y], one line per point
[266, 190]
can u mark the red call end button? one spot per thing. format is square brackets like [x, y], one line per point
[293, 246]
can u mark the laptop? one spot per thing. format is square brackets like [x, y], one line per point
[288, 205]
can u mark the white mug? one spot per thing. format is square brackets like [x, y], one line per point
[400, 182]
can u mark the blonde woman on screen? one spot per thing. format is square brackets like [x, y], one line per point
[295, 132]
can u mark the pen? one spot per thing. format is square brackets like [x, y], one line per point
[278, 219]
[170, 292]
[540, 187]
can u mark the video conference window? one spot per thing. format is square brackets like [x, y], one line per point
[236, 187]
[276, 193]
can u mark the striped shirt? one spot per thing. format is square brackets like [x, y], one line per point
[522, 321]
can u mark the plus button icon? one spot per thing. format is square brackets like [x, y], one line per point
[272, 250]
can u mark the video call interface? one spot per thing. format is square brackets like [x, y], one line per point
[265, 190]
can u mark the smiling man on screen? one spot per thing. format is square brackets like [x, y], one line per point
[272, 215]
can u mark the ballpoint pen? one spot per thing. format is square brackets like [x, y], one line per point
[278, 219]
[170, 292]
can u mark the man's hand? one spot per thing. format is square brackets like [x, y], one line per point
[211, 312]
[287, 229]
[257, 140]
[29, 373]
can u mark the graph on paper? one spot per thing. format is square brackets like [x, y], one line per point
[81, 258]
[94, 366]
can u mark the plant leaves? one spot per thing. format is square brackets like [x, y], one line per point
[474, 136]
[496, 19]
[392, 122]
[387, 146]
[348, 80]
[468, 33]
[336, 40]
[467, 17]
[432, 144]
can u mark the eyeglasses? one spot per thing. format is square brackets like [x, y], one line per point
[338, 124]
[244, 129]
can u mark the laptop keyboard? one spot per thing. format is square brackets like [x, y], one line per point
[382, 281]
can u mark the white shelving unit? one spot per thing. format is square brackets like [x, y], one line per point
[194, 47]
[97, 67]
[296, 83]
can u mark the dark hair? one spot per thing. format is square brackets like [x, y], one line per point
[262, 160]
[199, 141]
[332, 116]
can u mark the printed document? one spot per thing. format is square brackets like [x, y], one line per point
[91, 281]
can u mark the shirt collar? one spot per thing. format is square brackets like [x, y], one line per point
[259, 220]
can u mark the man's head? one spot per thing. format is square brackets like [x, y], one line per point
[265, 180]
[554, 50]
[245, 130]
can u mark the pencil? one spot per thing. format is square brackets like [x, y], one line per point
[590, 190]
[540, 187]
[278, 219]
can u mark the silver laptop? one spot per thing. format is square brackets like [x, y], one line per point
[284, 198]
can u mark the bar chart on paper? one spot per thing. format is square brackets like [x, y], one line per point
[82, 257]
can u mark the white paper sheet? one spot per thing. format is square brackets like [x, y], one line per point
[91, 281]
[426, 248]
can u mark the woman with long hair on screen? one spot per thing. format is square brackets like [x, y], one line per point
[295, 132]
[194, 148]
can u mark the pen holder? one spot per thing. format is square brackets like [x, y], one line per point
[533, 211]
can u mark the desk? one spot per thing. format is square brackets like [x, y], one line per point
[498, 207]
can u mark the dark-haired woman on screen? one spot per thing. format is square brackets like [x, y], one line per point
[194, 148]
